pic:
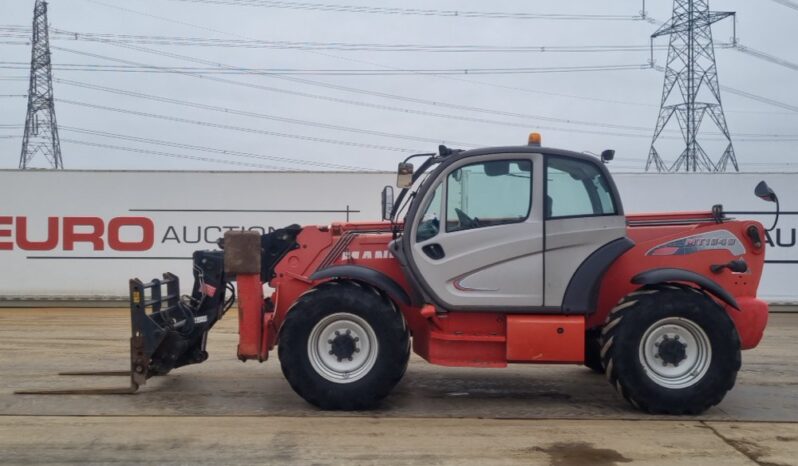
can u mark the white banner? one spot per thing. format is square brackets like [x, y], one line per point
[85, 233]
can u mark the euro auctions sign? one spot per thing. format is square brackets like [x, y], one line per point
[124, 234]
[84, 234]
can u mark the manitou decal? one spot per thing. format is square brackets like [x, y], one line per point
[710, 241]
[366, 255]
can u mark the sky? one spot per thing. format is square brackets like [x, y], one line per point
[248, 109]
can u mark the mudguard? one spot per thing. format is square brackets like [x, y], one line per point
[654, 276]
[366, 275]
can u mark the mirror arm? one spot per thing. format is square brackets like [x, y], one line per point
[418, 155]
[778, 210]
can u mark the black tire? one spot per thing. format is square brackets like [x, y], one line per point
[593, 351]
[308, 370]
[645, 317]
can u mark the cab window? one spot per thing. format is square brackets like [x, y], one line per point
[576, 188]
[430, 222]
[488, 193]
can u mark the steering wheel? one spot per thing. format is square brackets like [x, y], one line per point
[466, 221]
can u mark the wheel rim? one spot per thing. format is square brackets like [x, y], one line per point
[342, 348]
[675, 353]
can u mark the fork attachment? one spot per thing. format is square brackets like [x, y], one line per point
[168, 331]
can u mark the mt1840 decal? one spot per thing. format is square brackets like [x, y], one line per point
[710, 241]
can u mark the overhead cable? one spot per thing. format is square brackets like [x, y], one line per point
[237, 128]
[234, 153]
[471, 81]
[245, 113]
[340, 8]
[331, 72]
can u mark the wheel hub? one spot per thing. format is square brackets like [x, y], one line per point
[671, 350]
[343, 346]
[675, 352]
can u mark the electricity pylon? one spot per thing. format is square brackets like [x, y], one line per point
[692, 69]
[41, 128]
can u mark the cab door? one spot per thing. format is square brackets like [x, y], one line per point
[583, 213]
[476, 239]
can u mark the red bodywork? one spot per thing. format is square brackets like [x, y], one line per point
[494, 339]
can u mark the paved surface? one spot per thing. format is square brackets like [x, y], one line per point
[225, 411]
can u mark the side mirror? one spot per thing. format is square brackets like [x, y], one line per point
[404, 175]
[387, 202]
[607, 156]
[764, 192]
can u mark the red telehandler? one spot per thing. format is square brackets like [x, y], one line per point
[488, 257]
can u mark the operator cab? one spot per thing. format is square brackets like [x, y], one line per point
[505, 228]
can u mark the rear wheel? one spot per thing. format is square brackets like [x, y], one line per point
[670, 349]
[343, 345]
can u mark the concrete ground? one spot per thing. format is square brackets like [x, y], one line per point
[226, 412]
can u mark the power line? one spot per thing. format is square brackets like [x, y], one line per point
[748, 95]
[343, 46]
[339, 8]
[219, 31]
[236, 128]
[470, 81]
[758, 98]
[233, 153]
[414, 100]
[405, 110]
[232, 111]
[333, 72]
[767, 57]
[171, 155]
[437, 104]
[787, 3]
[346, 46]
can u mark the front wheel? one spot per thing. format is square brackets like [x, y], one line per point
[670, 349]
[343, 345]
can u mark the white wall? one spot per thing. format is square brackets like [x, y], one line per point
[180, 204]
